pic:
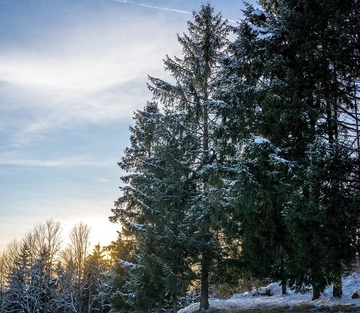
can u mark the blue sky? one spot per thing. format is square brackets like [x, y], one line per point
[71, 74]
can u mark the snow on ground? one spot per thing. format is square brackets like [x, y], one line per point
[254, 299]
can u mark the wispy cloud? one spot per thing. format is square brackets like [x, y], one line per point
[154, 7]
[60, 163]
[107, 181]
[164, 9]
[92, 72]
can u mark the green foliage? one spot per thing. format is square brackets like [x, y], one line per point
[249, 169]
[292, 196]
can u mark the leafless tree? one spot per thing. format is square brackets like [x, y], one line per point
[73, 258]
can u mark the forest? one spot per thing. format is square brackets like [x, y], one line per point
[243, 166]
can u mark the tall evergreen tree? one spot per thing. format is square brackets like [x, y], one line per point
[258, 126]
[288, 85]
[135, 209]
[191, 99]
[325, 61]
[121, 249]
[153, 208]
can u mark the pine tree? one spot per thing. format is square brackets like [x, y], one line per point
[167, 202]
[96, 275]
[152, 210]
[42, 286]
[17, 298]
[136, 211]
[191, 99]
[122, 249]
[288, 84]
[258, 126]
[318, 30]
[173, 190]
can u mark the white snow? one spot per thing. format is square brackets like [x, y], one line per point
[279, 159]
[129, 264]
[258, 12]
[257, 299]
[265, 36]
[260, 140]
[257, 29]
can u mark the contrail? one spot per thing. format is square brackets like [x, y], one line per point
[154, 7]
[164, 9]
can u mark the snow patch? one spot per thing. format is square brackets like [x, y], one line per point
[258, 12]
[257, 29]
[260, 140]
[271, 297]
[265, 36]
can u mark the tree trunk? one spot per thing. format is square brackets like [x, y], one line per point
[337, 291]
[161, 300]
[318, 283]
[204, 295]
[316, 293]
[337, 287]
[283, 287]
[174, 303]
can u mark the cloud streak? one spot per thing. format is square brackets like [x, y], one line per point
[164, 9]
[60, 163]
[71, 75]
[92, 72]
[155, 7]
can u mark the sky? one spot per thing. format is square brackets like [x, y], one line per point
[72, 72]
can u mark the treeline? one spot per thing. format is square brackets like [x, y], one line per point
[245, 163]
[38, 274]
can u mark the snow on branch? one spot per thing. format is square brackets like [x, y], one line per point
[261, 140]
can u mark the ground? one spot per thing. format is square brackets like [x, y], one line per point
[257, 301]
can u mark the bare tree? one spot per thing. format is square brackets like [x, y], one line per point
[47, 237]
[73, 261]
[4, 271]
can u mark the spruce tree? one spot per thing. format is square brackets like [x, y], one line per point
[173, 191]
[288, 85]
[191, 99]
[153, 209]
[97, 277]
[258, 125]
[17, 298]
[325, 61]
[122, 249]
[135, 209]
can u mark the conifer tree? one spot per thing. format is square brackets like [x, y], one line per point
[121, 249]
[258, 127]
[167, 202]
[16, 297]
[152, 210]
[283, 64]
[135, 208]
[324, 62]
[96, 273]
[191, 99]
